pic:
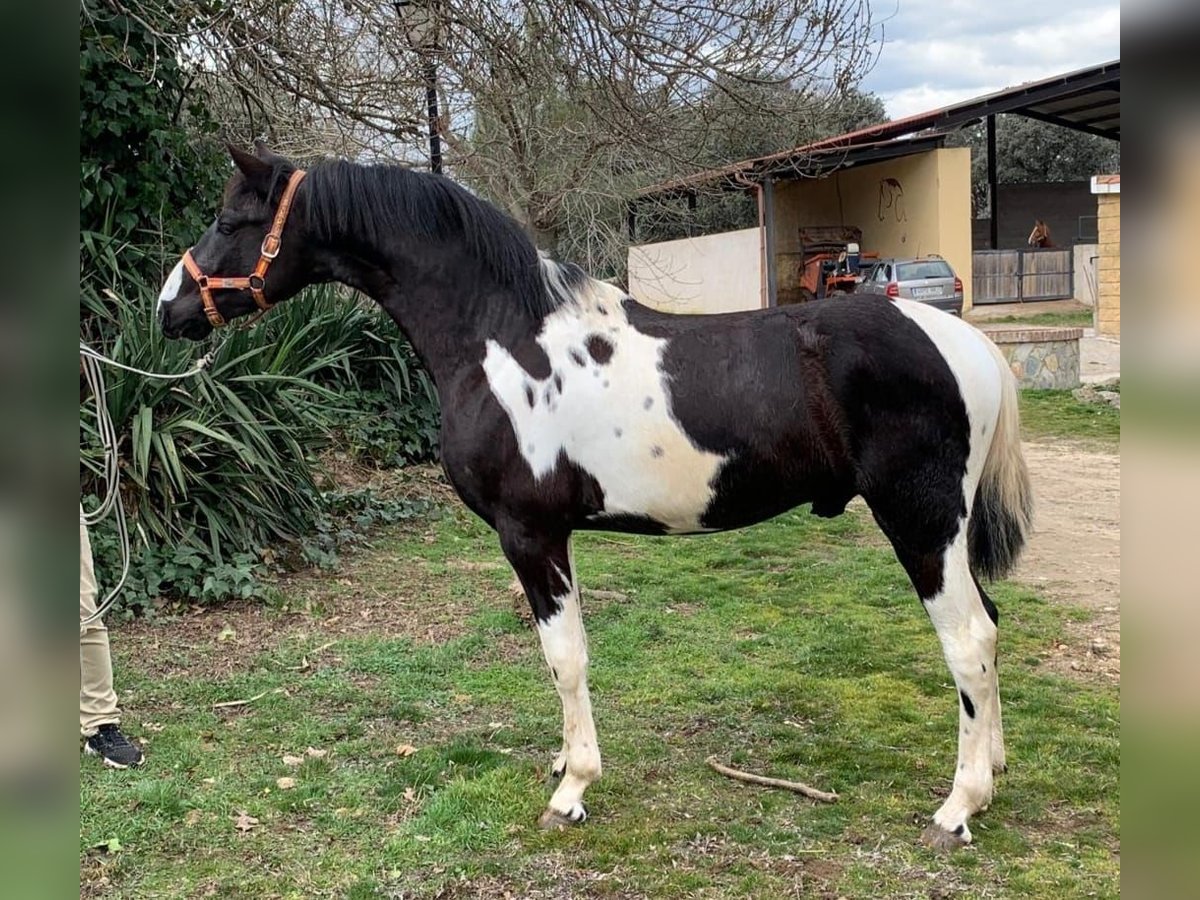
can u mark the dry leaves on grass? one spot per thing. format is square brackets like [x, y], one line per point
[405, 750]
[292, 760]
[245, 822]
[285, 783]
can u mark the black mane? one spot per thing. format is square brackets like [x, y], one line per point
[372, 201]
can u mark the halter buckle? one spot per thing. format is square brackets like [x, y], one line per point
[270, 246]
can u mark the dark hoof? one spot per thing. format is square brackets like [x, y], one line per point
[553, 820]
[939, 838]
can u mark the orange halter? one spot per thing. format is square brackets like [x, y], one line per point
[255, 281]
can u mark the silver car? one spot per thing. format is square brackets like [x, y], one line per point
[926, 280]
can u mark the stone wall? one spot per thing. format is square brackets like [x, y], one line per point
[1041, 357]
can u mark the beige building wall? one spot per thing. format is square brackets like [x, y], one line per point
[1108, 266]
[909, 206]
[710, 274]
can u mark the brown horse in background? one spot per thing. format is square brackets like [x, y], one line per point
[1040, 236]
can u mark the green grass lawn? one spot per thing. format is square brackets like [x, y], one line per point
[1080, 318]
[795, 649]
[1058, 415]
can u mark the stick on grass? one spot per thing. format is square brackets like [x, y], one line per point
[229, 704]
[748, 777]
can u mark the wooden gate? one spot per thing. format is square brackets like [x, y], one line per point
[1017, 276]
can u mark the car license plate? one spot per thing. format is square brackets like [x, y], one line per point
[927, 292]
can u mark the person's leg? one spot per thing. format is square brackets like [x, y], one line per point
[97, 699]
[98, 713]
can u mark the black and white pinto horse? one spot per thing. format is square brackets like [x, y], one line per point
[568, 405]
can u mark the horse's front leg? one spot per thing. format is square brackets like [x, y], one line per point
[543, 563]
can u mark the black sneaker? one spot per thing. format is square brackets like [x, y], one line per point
[114, 748]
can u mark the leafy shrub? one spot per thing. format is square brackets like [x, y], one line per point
[218, 470]
[145, 158]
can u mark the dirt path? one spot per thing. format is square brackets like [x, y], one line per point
[1075, 552]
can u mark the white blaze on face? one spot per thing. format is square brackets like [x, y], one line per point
[170, 288]
[609, 412]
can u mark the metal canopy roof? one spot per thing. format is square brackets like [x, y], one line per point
[1087, 100]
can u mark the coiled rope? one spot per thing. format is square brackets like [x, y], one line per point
[92, 363]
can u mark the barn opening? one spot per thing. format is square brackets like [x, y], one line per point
[896, 190]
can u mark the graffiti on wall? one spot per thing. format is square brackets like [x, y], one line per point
[891, 200]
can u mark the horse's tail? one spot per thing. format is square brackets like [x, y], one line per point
[1003, 510]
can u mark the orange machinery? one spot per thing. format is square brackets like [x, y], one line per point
[831, 260]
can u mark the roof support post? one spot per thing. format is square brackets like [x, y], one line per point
[766, 217]
[993, 186]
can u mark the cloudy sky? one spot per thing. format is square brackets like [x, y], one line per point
[937, 52]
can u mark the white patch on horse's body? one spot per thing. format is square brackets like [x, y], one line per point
[170, 289]
[967, 634]
[606, 405]
[966, 352]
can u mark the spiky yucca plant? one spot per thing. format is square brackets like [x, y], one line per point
[222, 464]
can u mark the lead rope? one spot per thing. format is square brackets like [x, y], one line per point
[93, 363]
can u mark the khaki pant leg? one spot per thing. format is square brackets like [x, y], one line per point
[97, 699]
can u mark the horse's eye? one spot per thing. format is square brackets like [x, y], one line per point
[225, 227]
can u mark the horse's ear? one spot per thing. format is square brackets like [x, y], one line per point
[256, 171]
[263, 152]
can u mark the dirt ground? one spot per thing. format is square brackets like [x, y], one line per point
[1075, 553]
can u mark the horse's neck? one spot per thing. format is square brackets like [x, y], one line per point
[447, 311]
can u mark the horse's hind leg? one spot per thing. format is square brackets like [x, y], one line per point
[999, 758]
[544, 565]
[968, 635]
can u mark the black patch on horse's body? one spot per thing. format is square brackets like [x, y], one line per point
[988, 605]
[623, 522]
[599, 348]
[968, 706]
[831, 400]
[531, 357]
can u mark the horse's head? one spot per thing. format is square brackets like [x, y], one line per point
[252, 257]
[1040, 235]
